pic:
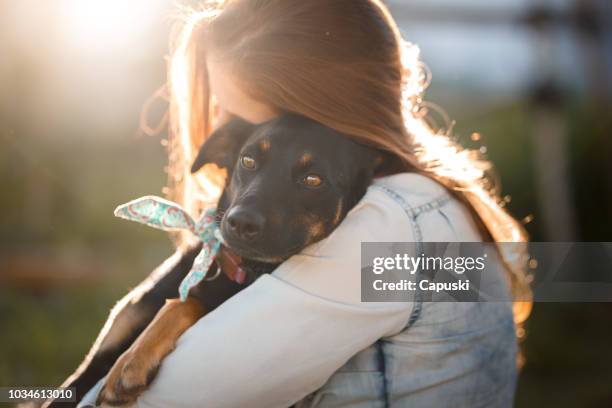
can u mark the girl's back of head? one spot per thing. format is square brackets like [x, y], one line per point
[340, 62]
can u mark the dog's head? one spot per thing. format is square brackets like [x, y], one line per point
[290, 182]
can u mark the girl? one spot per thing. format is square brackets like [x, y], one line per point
[302, 335]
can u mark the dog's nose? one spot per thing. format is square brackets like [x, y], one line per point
[245, 224]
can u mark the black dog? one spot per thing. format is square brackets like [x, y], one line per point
[290, 182]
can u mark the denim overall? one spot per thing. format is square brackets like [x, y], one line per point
[460, 354]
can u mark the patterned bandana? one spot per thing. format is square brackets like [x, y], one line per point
[159, 213]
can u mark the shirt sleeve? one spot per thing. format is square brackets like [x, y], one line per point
[285, 335]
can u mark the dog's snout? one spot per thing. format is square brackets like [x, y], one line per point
[245, 224]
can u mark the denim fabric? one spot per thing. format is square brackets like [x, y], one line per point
[448, 354]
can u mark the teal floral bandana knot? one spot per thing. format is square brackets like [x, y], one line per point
[162, 214]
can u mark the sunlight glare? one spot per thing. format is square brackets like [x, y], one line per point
[99, 23]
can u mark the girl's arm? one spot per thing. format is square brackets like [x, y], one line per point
[284, 336]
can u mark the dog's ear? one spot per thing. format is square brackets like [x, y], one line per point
[386, 163]
[373, 162]
[370, 162]
[223, 145]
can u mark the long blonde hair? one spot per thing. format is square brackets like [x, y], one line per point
[342, 63]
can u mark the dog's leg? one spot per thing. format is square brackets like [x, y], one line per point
[137, 367]
[127, 320]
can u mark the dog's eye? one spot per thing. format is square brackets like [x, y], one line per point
[247, 162]
[312, 180]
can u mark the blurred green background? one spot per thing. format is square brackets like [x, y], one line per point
[532, 79]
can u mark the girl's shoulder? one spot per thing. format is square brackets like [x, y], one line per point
[413, 200]
[386, 211]
[401, 208]
[414, 192]
[414, 184]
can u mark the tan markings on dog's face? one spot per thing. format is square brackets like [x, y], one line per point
[305, 159]
[338, 212]
[316, 230]
[315, 227]
[264, 145]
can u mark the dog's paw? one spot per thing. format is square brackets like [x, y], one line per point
[129, 377]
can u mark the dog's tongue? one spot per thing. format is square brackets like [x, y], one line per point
[240, 275]
[231, 266]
